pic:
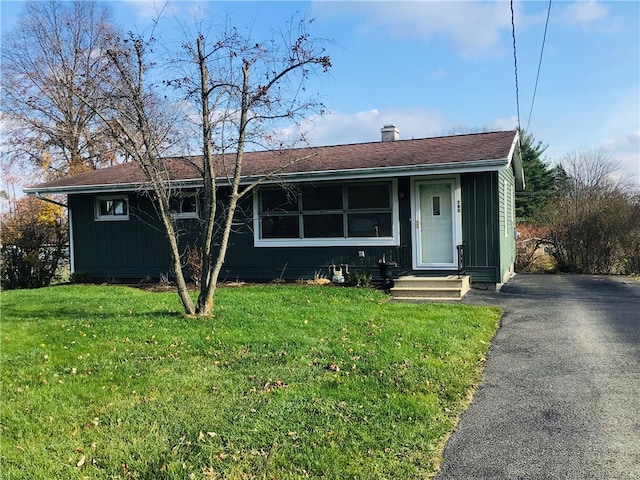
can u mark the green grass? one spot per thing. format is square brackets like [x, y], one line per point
[285, 382]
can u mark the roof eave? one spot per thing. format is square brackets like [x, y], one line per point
[105, 188]
[377, 172]
[401, 171]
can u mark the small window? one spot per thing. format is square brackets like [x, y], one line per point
[112, 208]
[184, 205]
[436, 206]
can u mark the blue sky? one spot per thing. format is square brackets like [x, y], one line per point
[434, 68]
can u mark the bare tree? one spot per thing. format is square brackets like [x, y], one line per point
[144, 125]
[593, 222]
[593, 170]
[255, 87]
[54, 54]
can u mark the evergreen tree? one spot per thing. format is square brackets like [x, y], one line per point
[539, 178]
[561, 180]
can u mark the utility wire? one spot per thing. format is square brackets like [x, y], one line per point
[535, 89]
[515, 63]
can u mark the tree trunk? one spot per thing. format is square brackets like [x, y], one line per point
[204, 305]
[208, 288]
[181, 285]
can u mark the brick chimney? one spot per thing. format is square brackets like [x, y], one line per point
[390, 133]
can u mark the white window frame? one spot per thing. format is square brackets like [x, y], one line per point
[100, 217]
[183, 215]
[393, 240]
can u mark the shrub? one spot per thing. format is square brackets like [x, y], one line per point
[594, 222]
[531, 249]
[361, 278]
[594, 235]
[79, 277]
[34, 244]
[194, 264]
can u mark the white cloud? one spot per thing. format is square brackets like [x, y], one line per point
[623, 149]
[439, 73]
[582, 13]
[148, 10]
[339, 128]
[506, 123]
[626, 150]
[473, 27]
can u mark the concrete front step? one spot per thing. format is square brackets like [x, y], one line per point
[427, 292]
[428, 289]
[424, 299]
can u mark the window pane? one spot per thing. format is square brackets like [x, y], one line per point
[320, 226]
[174, 204]
[286, 226]
[118, 207]
[188, 204]
[369, 224]
[106, 207]
[369, 196]
[436, 206]
[113, 207]
[322, 198]
[278, 200]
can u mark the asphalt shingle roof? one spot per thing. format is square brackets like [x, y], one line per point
[449, 150]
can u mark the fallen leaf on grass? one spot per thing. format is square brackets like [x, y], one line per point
[202, 437]
[274, 386]
[333, 367]
[81, 462]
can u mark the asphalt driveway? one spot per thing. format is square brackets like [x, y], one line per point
[561, 392]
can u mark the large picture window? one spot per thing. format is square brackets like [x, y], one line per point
[112, 208]
[327, 214]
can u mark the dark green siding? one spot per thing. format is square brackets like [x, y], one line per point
[134, 248]
[137, 248]
[267, 263]
[480, 225]
[506, 196]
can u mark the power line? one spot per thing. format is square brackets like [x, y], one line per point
[535, 89]
[515, 63]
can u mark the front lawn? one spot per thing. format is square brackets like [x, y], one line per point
[285, 382]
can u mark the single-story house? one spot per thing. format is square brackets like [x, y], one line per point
[430, 205]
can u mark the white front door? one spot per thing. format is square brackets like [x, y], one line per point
[435, 224]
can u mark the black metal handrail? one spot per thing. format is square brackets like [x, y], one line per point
[462, 268]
